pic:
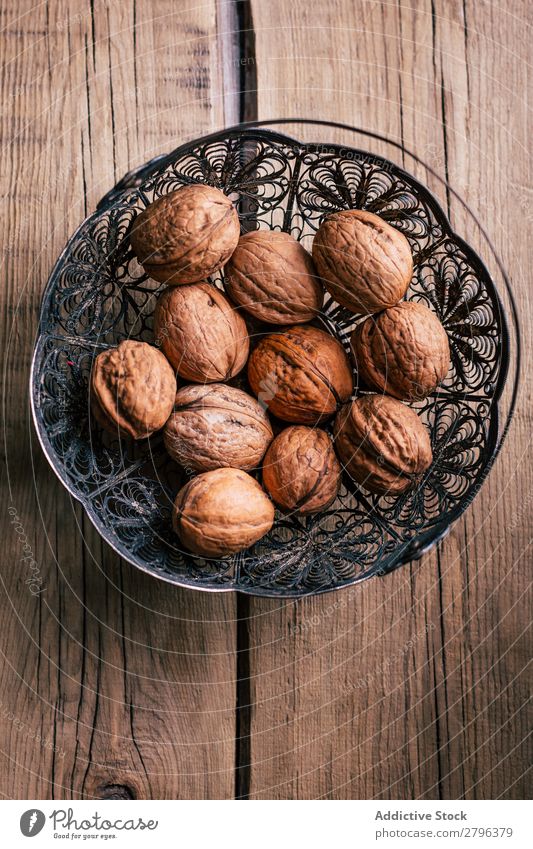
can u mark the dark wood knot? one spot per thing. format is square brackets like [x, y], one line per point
[116, 791]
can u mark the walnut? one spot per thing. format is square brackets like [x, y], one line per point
[364, 263]
[132, 389]
[300, 470]
[403, 351]
[185, 236]
[382, 443]
[215, 426]
[302, 374]
[273, 278]
[221, 512]
[203, 336]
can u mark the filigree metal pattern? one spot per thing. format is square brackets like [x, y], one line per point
[98, 294]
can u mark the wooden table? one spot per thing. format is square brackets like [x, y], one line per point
[114, 685]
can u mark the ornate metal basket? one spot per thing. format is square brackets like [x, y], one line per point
[98, 294]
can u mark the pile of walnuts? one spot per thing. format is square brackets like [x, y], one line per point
[299, 374]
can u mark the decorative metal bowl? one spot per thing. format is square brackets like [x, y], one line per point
[97, 295]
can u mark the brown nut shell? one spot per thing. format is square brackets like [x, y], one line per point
[382, 443]
[364, 263]
[221, 512]
[301, 471]
[203, 336]
[185, 236]
[302, 374]
[272, 277]
[403, 351]
[132, 389]
[217, 426]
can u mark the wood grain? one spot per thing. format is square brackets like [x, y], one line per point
[115, 686]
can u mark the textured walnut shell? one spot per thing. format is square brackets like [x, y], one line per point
[273, 278]
[364, 262]
[302, 374]
[221, 512]
[185, 236]
[132, 389]
[215, 426]
[203, 336]
[403, 351]
[382, 443]
[301, 471]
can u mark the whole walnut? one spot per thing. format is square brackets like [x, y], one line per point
[403, 351]
[215, 426]
[301, 471]
[302, 374]
[132, 389]
[185, 236]
[203, 336]
[364, 263]
[273, 278]
[382, 443]
[221, 512]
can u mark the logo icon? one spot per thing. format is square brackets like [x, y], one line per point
[32, 822]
